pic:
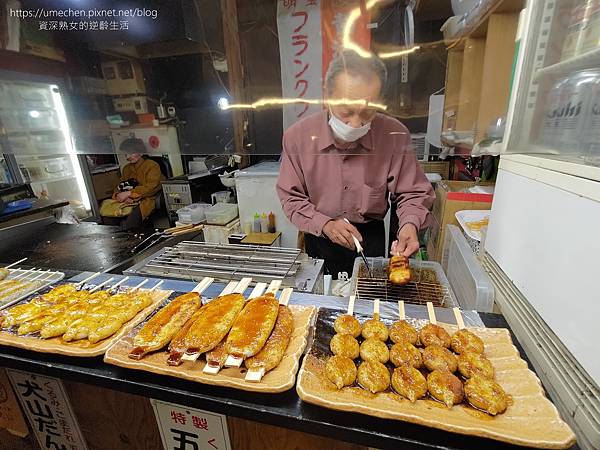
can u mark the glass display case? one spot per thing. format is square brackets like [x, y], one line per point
[38, 134]
[555, 111]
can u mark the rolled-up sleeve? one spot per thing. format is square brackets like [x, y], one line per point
[412, 189]
[292, 192]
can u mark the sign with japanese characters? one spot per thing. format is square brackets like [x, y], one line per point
[47, 407]
[310, 33]
[183, 428]
[11, 417]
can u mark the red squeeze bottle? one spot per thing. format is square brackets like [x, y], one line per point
[271, 226]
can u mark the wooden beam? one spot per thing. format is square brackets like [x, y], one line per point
[235, 71]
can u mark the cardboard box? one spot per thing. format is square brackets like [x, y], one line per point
[450, 198]
[105, 183]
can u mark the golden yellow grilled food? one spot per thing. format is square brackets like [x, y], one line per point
[401, 330]
[445, 387]
[209, 327]
[465, 341]
[373, 376]
[486, 395]
[405, 353]
[122, 314]
[252, 327]
[432, 334]
[409, 382]
[375, 350]
[341, 371]
[347, 324]
[4, 273]
[471, 364]
[163, 326]
[272, 352]
[375, 328]
[344, 345]
[438, 357]
[399, 270]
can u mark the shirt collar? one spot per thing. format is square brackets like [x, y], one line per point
[325, 137]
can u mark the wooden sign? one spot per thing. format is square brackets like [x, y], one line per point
[183, 428]
[47, 407]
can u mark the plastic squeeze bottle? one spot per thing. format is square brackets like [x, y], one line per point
[256, 225]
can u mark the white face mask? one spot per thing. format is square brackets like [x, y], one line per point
[345, 132]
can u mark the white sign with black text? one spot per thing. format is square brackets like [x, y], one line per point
[183, 428]
[47, 407]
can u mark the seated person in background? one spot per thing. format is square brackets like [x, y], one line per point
[140, 183]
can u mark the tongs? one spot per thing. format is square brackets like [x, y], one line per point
[360, 251]
[168, 233]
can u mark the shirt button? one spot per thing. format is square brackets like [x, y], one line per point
[345, 212]
[345, 188]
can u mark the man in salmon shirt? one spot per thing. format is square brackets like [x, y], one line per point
[343, 162]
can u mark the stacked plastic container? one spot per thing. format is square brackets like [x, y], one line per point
[471, 285]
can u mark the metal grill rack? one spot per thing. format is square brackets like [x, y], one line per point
[429, 284]
[194, 260]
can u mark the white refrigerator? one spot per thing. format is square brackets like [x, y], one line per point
[255, 189]
[543, 241]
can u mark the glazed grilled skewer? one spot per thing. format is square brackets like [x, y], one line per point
[210, 327]
[251, 329]
[215, 359]
[272, 352]
[401, 330]
[375, 328]
[161, 328]
[432, 333]
[399, 270]
[347, 323]
[480, 389]
[441, 383]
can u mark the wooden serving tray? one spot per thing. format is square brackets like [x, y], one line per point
[279, 379]
[530, 420]
[81, 347]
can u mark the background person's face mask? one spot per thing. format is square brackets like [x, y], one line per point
[345, 132]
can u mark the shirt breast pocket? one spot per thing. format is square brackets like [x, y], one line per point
[374, 201]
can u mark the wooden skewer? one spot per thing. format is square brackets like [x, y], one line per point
[15, 263]
[256, 292]
[376, 308]
[401, 311]
[231, 287]
[40, 274]
[351, 305]
[49, 275]
[203, 285]
[285, 296]
[459, 319]
[95, 288]
[139, 285]
[156, 286]
[242, 285]
[91, 277]
[274, 286]
[119, 283]
[228, 289]
[431, 313]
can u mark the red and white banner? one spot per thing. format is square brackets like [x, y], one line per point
[310, 33]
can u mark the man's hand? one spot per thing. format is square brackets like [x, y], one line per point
[408, 241]
[122, 196]
[340, 232]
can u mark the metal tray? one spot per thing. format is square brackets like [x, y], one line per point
[428, 284]
[37, 279]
